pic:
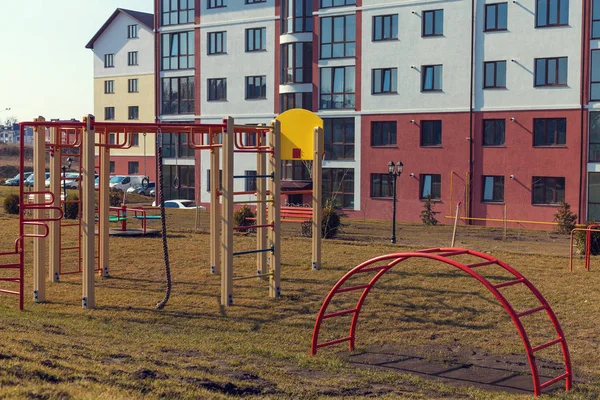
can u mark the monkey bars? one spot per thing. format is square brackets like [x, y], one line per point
[380, 265]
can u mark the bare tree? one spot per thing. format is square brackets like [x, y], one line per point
[10, 121]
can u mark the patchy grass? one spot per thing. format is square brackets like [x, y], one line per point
[260, 347]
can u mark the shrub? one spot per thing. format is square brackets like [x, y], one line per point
[115, 198]
[242, 218]
[11, 204]
[565, 219]
[331, 221]
[71, 207]
[579, 238]
[427, 214]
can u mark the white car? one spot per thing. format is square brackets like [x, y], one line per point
[181, 204]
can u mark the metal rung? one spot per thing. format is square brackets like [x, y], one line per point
[66, 225]
[481, 264]
[241, 278]
[337, 314]
[533, 310]
[509, 283]
[351, 288]
[71, 272]
[7, 266]
[239, 253]
[372, 269]
[452, 253]
[9, 292]
[10, 279]
[553, 381]
[253, 176]
[550, 343]
[336, 341]
[69, 248]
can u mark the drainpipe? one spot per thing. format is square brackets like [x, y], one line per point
[471, 84]
[584, 53]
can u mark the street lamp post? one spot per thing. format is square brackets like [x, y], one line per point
[64, 175]
[394, 170]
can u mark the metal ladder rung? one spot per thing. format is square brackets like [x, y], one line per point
[553, 381]
[10, 266]
[10, 279]
[451, 253]
[481, 264]
[533, 310]
[9, 291]
[69, 248]
[337, 314]
[351, 288]
[509, 283]
[548, 344]
[372, 269]
[336, 341]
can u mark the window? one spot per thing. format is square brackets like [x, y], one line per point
[178, 95]
[133, 167]
[551, 13]
[383, 133]
[111, 167]
[184, 186]
[217, 42]
[177, 12]
[593, 197]
[295, 100]
[109, 60]
[256, 39]
[548, 190]
[493, 188]
[294, 170]
[208, 180]
[134, 112]
[431, 186]
[296, 63]
[337, 87]
[250, 181]
[382, 185]
[109, 113]
[175, 145]
[132, 58]
[177, 50]
[132, 31]
[551, 71]
[496, 18]
[111, 138]
[384, 80]
[595, 19]
[595, 76]
[433, 23]
[494, 132]
[339, 138]
[109, 87]
[385, 27]
[255, 1]
[432, 78]
[338, 36]
[296, 16]
[217, 3]
[337, 3]
[132, 85]
[549, 131]
[256, 87]
[494, 75]
[431, 133]
[594, 152]
[338, 185]
[135, 140]
[217, 89]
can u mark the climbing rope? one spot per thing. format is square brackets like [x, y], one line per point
[164, 301]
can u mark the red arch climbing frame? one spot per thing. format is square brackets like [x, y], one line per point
[443, 254]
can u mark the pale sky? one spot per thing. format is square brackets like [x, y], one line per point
[45, 68]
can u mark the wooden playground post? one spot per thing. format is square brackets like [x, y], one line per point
[261, 207]
[317, 207]
[227, 214]
[103, 204]
[275, 210]
[215, 214]
[55, 189]
[39, 243]
[87, 215]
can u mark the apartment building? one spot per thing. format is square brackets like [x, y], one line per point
[488, 103]
[124, 88]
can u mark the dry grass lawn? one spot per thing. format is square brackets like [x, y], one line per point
[430, 313]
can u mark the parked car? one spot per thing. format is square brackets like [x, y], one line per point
[70, 180]
[181, 204]
[139, 189]
[15, 181]
[29, 181]
[124, 182]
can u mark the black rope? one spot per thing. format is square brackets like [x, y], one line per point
[161, 195]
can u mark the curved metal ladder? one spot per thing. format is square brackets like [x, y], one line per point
[443, 255]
